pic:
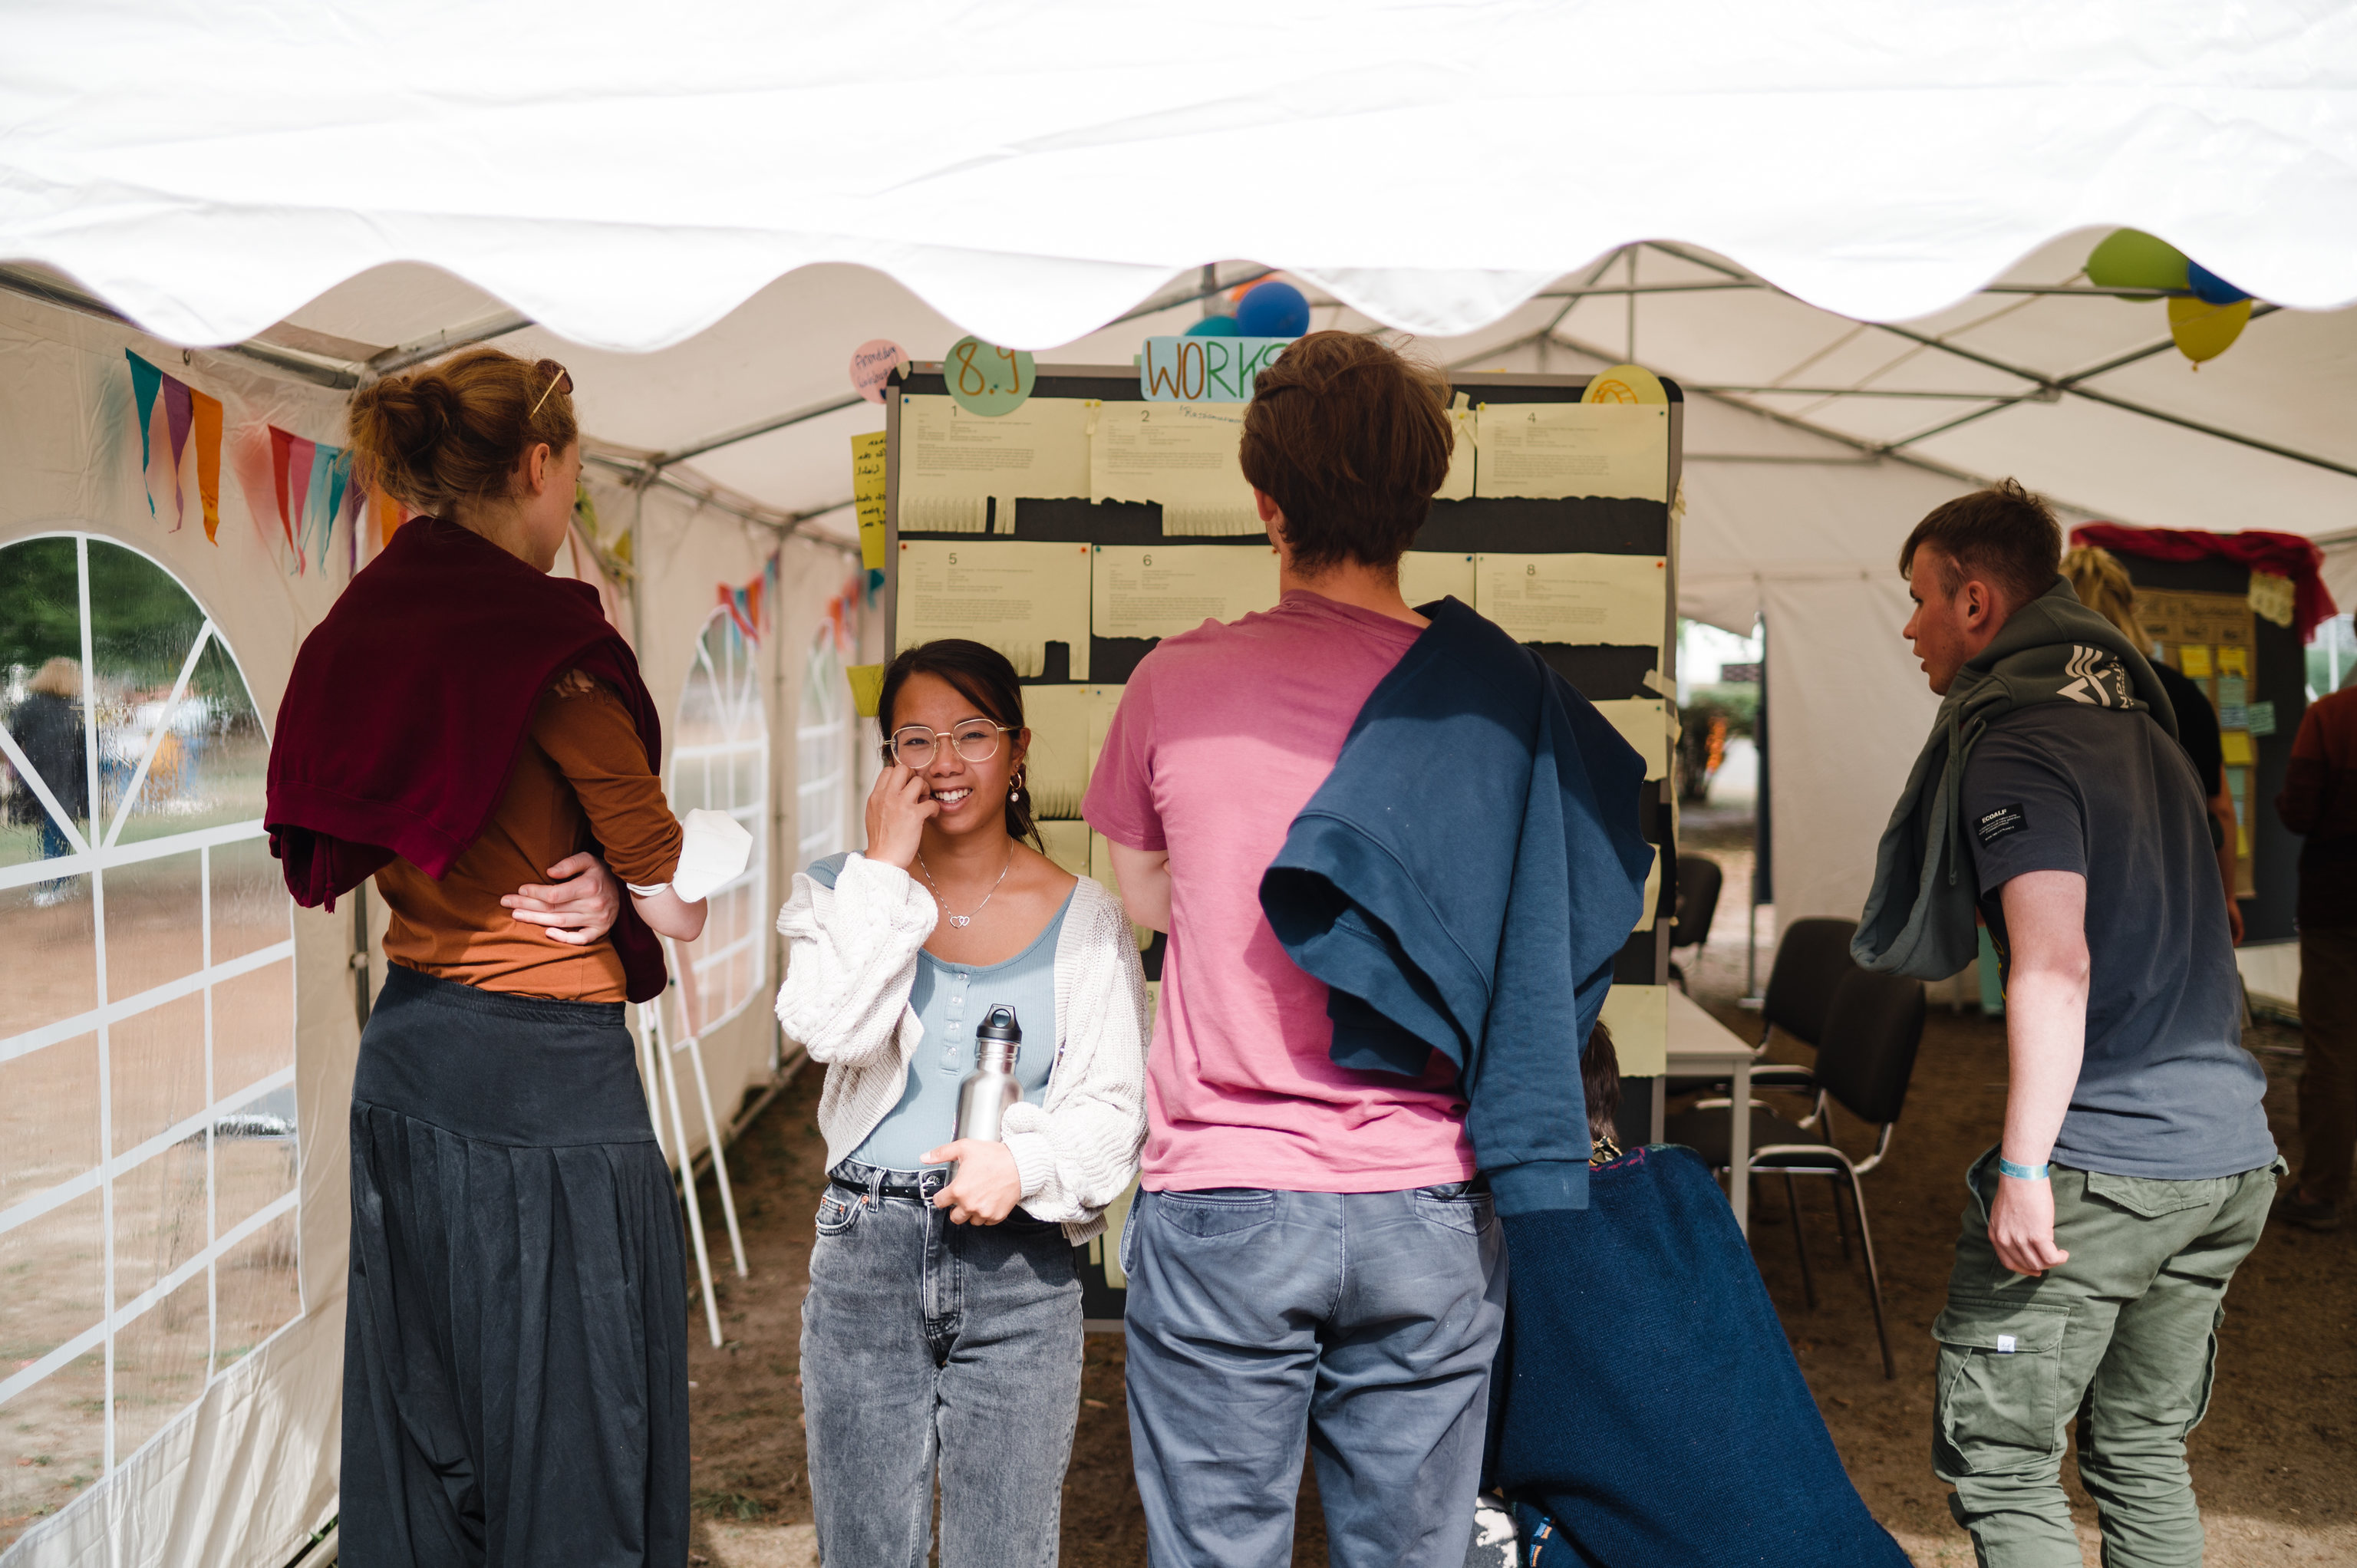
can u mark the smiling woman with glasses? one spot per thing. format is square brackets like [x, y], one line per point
[942, 1327]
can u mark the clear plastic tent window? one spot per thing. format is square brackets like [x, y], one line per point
[147, 1104]
[823, 748]
[720, 761]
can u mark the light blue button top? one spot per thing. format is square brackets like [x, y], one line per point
[950, 1000]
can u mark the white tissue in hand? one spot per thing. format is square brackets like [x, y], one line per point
[716, 848]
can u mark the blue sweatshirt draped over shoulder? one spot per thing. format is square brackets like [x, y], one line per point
[1462, 882]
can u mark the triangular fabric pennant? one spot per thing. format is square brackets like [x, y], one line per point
[281, 448]
[206, 415]
[318, 519]
[299, 453]
[145, 382]
[179, 415]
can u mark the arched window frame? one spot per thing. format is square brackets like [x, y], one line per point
[713, 775]
[262, 1109]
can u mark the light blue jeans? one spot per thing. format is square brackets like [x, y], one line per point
[1368, 1320]
[931, 1345]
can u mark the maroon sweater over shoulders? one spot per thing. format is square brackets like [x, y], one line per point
[410, 702]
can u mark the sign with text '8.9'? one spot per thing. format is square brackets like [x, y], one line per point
[987, 379]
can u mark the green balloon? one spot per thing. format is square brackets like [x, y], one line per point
[2130, 258]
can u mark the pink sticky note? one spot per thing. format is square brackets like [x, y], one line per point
[871, 366]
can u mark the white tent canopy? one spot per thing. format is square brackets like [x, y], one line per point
[1868, 285]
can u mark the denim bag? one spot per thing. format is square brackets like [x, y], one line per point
[1645, 1406]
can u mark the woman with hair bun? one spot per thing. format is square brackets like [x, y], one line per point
[941, 1334]
[460, 725]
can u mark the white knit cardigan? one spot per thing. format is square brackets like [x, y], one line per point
[851, 961]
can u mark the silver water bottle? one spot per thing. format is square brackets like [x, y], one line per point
[990, 1088]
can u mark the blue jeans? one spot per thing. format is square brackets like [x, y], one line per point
[931, 1345]
[1369, 1319]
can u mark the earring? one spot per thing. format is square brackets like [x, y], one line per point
[1015, 787]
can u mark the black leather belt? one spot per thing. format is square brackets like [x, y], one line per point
[863, 1180]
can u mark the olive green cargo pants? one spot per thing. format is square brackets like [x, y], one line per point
[2124, 1337]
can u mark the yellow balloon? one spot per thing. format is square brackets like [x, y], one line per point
[2205, 331]
[1625, 383]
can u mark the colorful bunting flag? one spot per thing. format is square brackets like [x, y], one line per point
[187, 414]
[311, 480]
[745, 604]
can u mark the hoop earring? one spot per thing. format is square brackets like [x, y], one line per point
[1015, 787]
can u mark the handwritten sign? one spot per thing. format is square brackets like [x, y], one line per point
[987, 379]
[1204, 369]
[872, 364]
[868, 493]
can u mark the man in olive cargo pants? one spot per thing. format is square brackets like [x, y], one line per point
[2135, 1169]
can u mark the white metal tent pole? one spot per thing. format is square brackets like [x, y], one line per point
[686, 1176]
[694, 1049]
[653, 1073]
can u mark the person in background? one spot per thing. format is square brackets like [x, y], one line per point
[941, 1333]
[515, 1369]
[2136, 1168]
[2103, 587]
[47, 726]
[1309, 1256]
[2319, 801]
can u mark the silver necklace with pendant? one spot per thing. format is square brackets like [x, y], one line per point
[966, 919]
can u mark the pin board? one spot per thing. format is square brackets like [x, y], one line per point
[1076, 536]
[2199, 616]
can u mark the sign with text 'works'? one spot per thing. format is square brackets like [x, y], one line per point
[1203, 370]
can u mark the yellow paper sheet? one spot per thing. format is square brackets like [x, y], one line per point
[2193, 660]
[1618, 600]
[2234, 660]
[1161, 590]
[1057, 767]
[952, 461]
[2236, 744]
[1653, 895]
[1643, 724]
[1068, 845]
[1179, 455]
[1554, 450]
[1016, 595]
[1639, 1017]
[866, 688]
[1465, 422]
[867, 454]
[1429, 575]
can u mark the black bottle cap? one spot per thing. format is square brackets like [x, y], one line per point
[1000, 1024]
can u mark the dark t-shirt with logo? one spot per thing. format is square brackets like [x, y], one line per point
[2166, 1089]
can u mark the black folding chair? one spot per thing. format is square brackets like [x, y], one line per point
[1812, 960]
[1699, 881]
[1864, 1057]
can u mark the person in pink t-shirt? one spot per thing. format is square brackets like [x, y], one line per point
[1309, 1250]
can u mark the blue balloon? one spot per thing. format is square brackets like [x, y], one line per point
[2208, 287]
[1213, 326]
[1272, 310]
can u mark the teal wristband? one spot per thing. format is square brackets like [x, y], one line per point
[2022, 1173]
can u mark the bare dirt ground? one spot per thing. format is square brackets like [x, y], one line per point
[2274, 1461]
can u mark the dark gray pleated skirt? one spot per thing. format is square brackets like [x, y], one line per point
[515, 1344]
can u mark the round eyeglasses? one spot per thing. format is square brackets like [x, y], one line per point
[976, 740]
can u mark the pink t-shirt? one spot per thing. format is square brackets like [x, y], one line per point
[1223, 734]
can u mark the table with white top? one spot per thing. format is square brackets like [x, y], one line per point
[1701, 1046]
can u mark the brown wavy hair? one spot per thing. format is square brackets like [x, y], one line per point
[456, 431]
[1351, 439]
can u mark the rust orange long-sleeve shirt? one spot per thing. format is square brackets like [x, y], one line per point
[581, 780]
